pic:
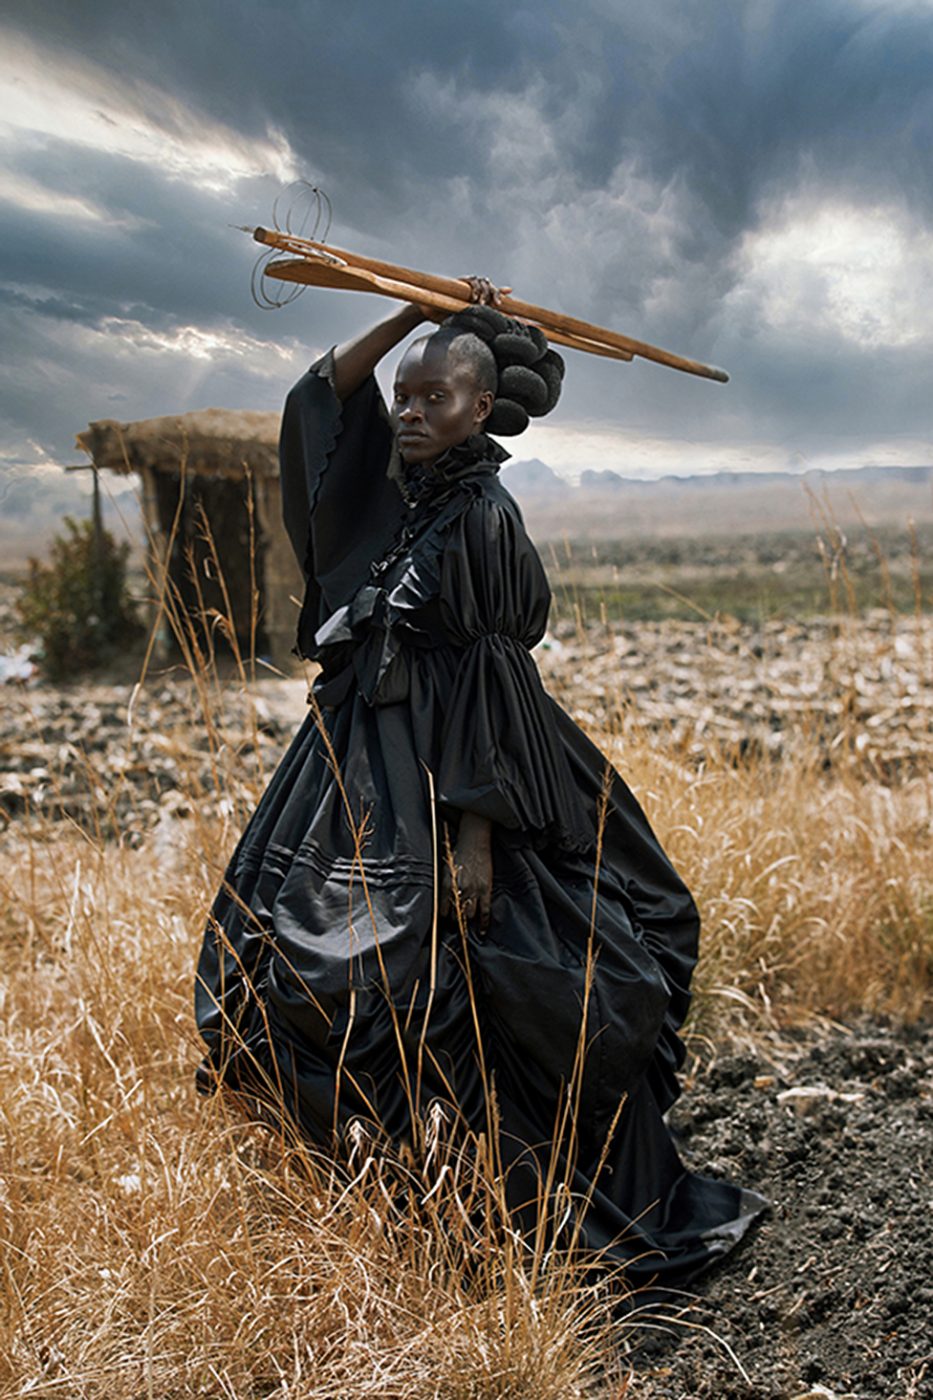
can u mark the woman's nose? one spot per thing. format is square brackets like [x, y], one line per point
[410, 412]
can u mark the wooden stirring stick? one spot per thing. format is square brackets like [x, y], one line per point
[318, 264]
[315, 274]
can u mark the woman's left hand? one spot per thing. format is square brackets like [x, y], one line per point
[484, 292]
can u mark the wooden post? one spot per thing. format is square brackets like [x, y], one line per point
[97, 543]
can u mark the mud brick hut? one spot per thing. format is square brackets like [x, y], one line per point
[211, 466]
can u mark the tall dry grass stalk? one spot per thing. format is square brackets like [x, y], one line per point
[153, 1245]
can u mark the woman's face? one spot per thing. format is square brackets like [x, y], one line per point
[436, 403]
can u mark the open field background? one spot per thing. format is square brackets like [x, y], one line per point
[754, 578]
[156, 1245]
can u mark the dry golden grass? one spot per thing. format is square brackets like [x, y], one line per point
[158, 1245]
[815, 886]
[154, 1245]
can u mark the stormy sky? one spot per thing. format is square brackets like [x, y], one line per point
[748, 182]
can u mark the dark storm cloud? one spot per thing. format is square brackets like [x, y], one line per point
[152, 250]
[725, 94]
[536, 140]
[729, 97]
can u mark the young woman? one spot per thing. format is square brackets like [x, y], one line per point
[445, 896]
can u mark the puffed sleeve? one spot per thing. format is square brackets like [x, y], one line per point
[338, 502]
[502, 755]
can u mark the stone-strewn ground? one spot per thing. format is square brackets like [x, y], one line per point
[833, 1294]
[864, 685]
[864, 689]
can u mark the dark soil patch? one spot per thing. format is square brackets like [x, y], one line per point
[833, 1294]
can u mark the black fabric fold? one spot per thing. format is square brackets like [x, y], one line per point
[501, 754]
[341, 508]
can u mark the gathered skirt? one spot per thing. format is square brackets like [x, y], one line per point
[328, 983]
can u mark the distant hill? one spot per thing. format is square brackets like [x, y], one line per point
[608, 505]
[611, 481]
[535, 478]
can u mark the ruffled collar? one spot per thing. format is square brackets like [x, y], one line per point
[478, 454]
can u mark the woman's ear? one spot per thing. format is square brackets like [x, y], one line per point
[484, 406]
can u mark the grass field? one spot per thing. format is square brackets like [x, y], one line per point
[790, 575]
[154, 1245]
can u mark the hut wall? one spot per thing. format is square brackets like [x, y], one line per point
[212, 518]
[219, 456]
[156, 545]
[282, 580]
[224, 502]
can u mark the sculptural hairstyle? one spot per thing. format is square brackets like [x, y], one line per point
[528, 374]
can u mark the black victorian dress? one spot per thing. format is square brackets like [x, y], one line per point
[324, 969]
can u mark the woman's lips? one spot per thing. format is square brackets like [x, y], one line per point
[412, 437]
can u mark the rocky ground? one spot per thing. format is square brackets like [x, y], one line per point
[833, 1294]
[105, 758]
[862, 686]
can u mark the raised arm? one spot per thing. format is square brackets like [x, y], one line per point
[357, 358]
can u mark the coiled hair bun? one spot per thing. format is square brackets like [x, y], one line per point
[530, 374]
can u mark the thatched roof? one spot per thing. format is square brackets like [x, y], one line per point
[211, 442]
